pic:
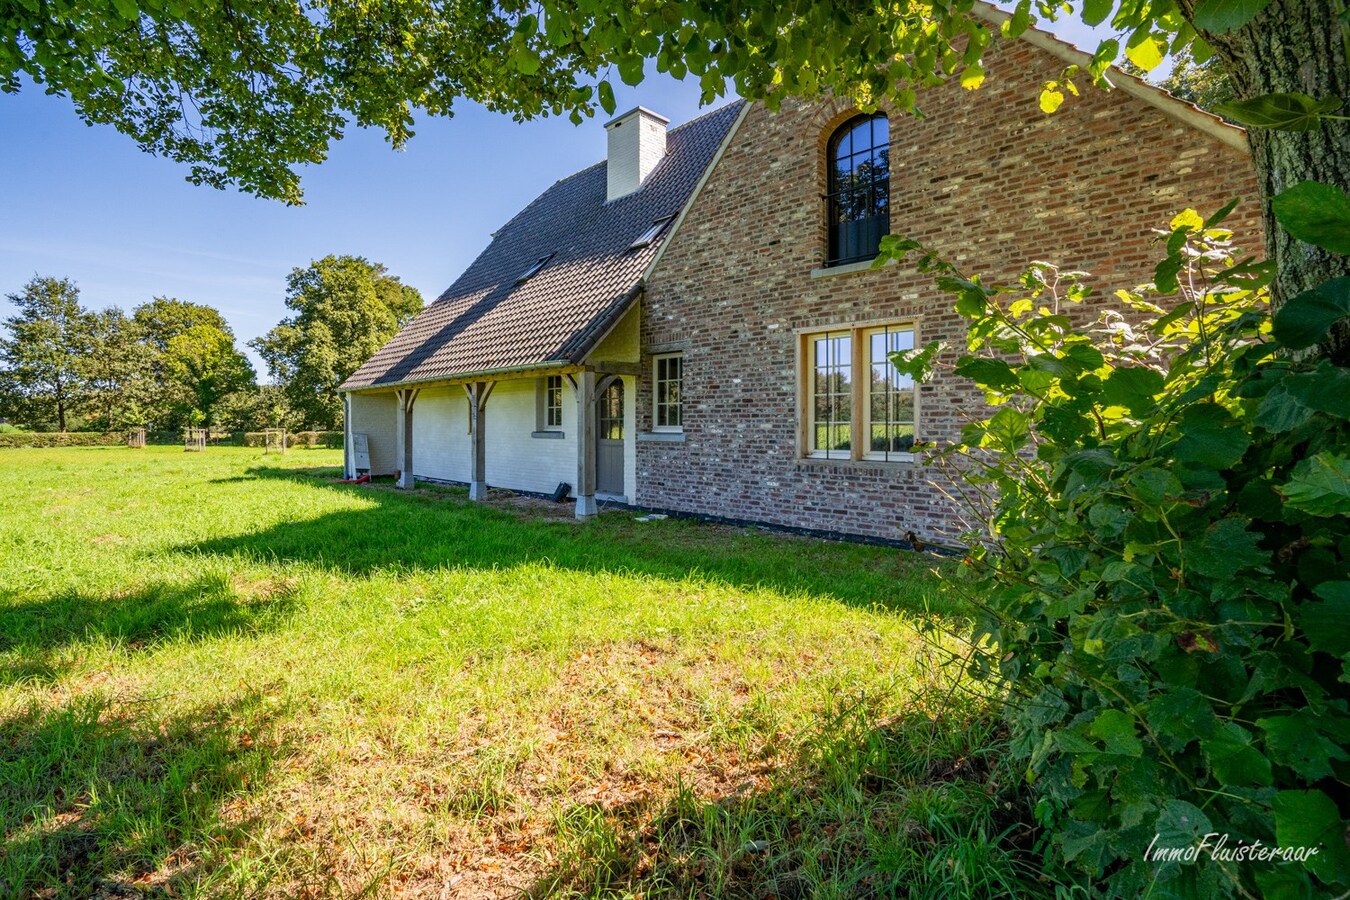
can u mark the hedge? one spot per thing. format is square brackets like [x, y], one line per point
[62, 439]
[329, 439]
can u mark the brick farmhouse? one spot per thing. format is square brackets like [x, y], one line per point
[694, 326]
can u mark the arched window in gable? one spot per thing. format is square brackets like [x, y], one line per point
[859, 199]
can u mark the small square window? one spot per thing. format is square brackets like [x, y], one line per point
[668, 381]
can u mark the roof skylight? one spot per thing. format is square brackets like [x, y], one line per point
[534, 268]
[651, 233]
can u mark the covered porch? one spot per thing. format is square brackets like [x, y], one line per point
[523, 431]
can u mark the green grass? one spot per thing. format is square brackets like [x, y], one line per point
[223, 675]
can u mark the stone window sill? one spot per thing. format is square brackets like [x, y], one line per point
[816, 462]
[548, 435]
[661, 437]
[846, 269]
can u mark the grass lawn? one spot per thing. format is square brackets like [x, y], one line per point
[221, 674]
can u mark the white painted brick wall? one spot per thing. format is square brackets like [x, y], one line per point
[377, 416]
[515, 459]
[636, 142]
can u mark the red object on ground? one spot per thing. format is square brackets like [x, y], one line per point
[362, 480]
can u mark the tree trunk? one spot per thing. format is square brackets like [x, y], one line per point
[1295, 46]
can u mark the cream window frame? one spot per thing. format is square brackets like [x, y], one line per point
[656, 394]
[860, 379]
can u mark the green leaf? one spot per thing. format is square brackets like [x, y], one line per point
[1326, 624]
[1133, 387]
[1007, 430]
[1223, 16]
[525, 60]
[1234, 760]
[1282, 112]
[127, 9]
[917, 363]
[1115, 729]
[1020, 21]
[1051, 98]
[1311, 819]
[1295, 741]
[1096, 11]
[1306, 319]
[1320, 486]
[988, 373]
[1145, 49]
[1226, 548]
[630, 70]
[1316, 213]
[1181, 824]
[606, 91]
[1210, 437]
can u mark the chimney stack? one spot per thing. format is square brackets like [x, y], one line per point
[637, 141]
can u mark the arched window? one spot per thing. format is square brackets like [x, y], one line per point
[860, 188]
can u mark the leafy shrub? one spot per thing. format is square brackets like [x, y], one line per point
[61, 439]
[1163, 564]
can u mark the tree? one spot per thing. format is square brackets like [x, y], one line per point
[1204, 84]
[119, 371]
[41, 357]
[345, 308]
[206, 363]
[244, 92]
[159, 322]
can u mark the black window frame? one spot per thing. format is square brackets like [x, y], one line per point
[857, 215]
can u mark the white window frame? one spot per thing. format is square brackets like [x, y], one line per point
[860, 365]
[541, 409]
[656, 394]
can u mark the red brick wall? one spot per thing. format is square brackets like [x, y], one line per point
[986, 179]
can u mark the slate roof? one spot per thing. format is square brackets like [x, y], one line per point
[488, 321]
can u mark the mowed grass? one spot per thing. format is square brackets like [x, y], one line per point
[221, 674]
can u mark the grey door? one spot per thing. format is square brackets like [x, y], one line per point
[609, 439]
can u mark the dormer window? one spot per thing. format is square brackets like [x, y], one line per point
[859, 201]
[533, 270]
[650, 234]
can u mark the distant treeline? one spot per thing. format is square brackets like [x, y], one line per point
[170, 364]
[311, 439]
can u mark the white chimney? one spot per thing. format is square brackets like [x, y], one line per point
[637, 141]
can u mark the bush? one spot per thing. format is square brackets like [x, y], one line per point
[1163, 566]
[62, 439]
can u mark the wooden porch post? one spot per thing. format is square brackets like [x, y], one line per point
[348, 469]
[585, 490]
[406, 398]
[478, 393]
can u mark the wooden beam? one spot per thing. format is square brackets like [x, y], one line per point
[618, 368]
[478, 393]
[585, 486]
[407, 398]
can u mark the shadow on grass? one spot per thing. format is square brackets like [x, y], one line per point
[33, 631]
[435, 528]
[96, 801]
[912, 807]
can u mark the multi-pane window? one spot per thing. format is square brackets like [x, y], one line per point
[553, 390]
[831, 407]
[859, 199]
[669, 382]
[890, 395]
[857, 405]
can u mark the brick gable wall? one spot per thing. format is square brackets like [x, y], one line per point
[986, 179]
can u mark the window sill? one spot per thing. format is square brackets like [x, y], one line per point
[838, 463]
[548, 435]
[661, 437]
[847, 268]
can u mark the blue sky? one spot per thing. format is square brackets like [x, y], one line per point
[88, 204]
